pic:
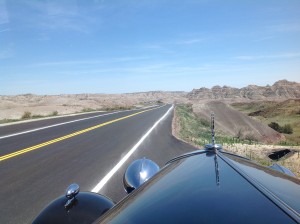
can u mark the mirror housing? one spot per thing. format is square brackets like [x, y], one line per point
[282, 169]
[138, 172]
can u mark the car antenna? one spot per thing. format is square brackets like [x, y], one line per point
[212, 124]
[213, 146]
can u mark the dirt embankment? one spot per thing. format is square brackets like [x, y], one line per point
[237, 124]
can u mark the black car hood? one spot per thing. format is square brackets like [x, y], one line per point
[201, 188]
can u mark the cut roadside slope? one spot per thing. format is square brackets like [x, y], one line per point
[236, 123]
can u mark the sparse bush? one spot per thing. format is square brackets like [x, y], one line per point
[204, 122]
[36, 116]
[8, 120]
[275, 126]
[286, 129]
[26, 115]
[87, 109]
[54, 113]
[112, 108]
[250, 137]
[239, 133]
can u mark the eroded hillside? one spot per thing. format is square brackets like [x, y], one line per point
[280, 90]
[236, 123]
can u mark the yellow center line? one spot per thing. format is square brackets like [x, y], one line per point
[10, 155]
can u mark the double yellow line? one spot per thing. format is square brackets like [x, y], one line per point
[29, 149]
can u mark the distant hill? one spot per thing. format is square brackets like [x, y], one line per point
[280, 90]
[13, 107]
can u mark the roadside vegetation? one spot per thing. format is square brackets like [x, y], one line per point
[286, 129]
[196, 130]
[27, 115]
[118, 108]
[111, 108]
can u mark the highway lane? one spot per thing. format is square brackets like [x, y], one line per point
[32, 138]
[27, 125]
[31, 180]
[11, 128]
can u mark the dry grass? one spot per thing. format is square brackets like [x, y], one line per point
[260, 152]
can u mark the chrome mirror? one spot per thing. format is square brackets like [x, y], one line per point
[71, 192]
[138, 172]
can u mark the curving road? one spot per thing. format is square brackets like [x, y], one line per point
[39, 159]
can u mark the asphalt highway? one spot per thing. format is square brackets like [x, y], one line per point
[40, 159]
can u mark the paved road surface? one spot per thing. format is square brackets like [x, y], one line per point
[36, 167]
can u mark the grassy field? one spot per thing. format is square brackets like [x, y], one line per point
[196, 131]
[283, 113]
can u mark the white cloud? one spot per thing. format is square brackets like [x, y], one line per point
[4, 30]
[60, 15]
[271, 56]
[151, 46]
[286, 27]
[191, 41]
[87, 62]
[259, 39]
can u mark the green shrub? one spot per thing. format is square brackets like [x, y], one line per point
[54, 113]
[87, 109]
[36, 116]
[286, 129]
[275, 126]
[204, 122]
[26, 115]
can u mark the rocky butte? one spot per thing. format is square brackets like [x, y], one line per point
[280, 90]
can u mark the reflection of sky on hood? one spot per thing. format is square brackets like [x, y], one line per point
[283, 186]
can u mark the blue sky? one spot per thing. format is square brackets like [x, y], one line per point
[120, 46]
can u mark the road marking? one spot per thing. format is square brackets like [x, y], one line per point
[59, 124]
[8, 156]
[106, 178]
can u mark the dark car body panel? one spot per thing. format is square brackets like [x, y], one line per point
[85, 209]
[204, 187]
[277, 184]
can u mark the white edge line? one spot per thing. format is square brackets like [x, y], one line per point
[106, 178]
[68, 122]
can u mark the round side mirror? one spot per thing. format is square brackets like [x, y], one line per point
[138, 172]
